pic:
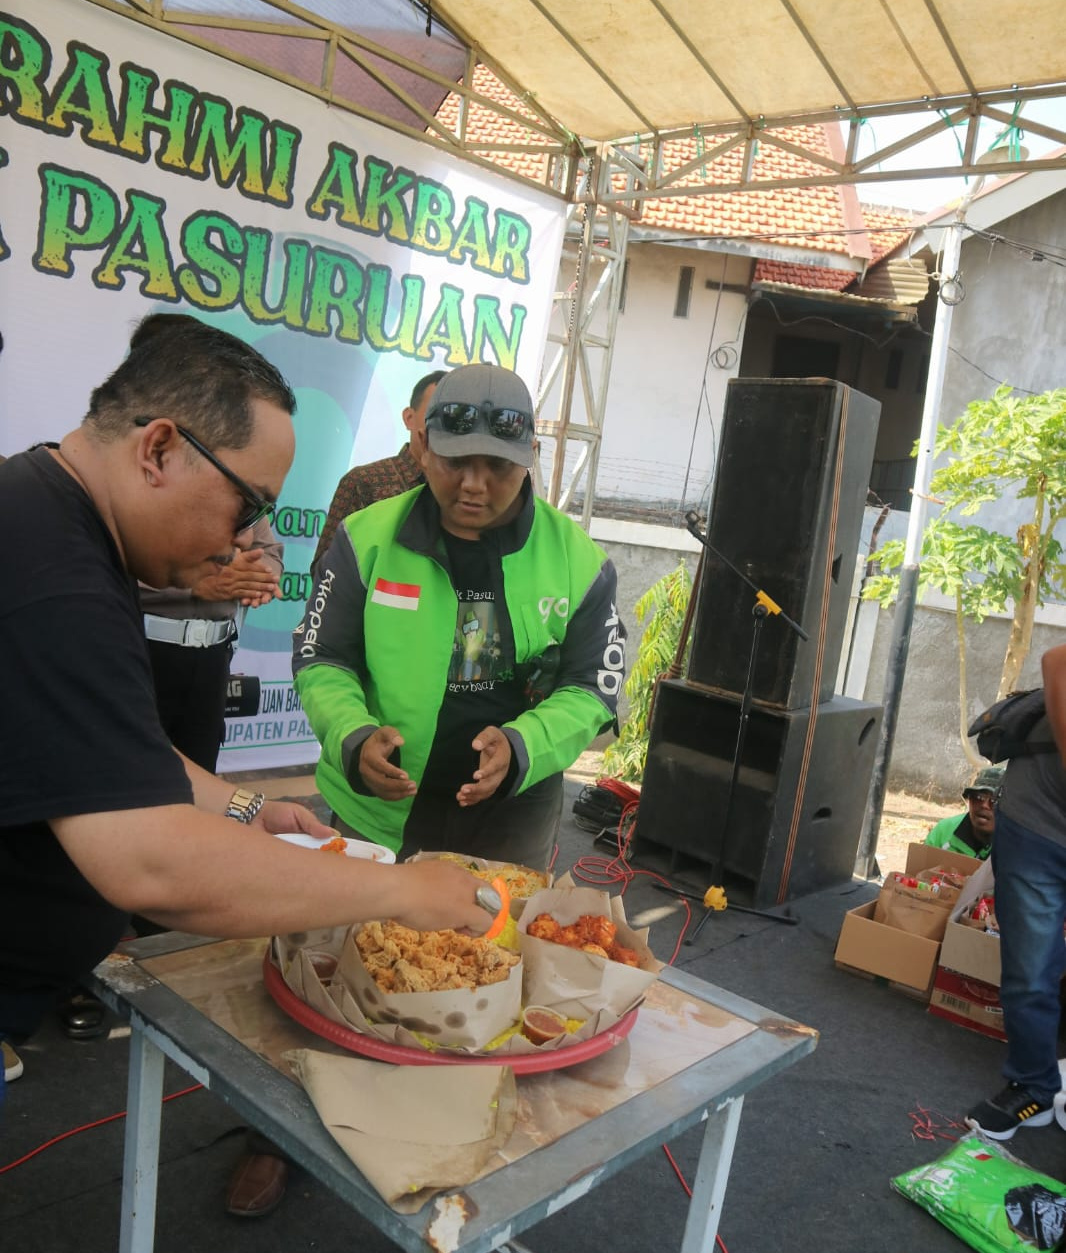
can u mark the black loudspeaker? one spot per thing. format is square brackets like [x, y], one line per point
[790, 486]
[797, 812]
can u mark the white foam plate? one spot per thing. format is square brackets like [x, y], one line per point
[352, 848]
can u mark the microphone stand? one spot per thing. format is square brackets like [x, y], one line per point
[760, 610]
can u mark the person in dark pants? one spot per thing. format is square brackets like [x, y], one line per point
[191, 636]
[461, 646]
[1029, 866]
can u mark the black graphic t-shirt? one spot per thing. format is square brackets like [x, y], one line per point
[483, 688]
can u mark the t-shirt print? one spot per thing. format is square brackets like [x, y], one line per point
[476, 651]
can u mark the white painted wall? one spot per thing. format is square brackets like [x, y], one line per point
[665, 399]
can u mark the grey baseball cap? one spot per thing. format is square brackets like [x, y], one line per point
[989, 779]
[481, 411]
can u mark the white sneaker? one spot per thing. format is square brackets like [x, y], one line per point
[12, 1063]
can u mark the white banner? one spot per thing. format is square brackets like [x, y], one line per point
[138, 173]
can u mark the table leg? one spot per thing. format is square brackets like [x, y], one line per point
[712, 1174]
[140, 1162]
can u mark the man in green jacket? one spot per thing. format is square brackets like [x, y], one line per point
[461, 646]
[971, 832]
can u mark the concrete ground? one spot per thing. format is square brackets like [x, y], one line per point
[817, 1149]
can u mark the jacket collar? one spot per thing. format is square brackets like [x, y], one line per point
[421, 529]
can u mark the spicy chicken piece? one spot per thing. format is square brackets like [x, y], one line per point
[627, 956]
[596, 930]
[544, 927]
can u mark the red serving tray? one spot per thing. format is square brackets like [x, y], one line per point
[401, 1055]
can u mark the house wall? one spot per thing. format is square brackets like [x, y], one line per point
[665, 399]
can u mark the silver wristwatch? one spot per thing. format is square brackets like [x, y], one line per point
[244, 805]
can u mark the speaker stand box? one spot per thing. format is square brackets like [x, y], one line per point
[796, 816]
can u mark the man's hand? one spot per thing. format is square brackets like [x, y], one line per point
[495, 750]
[249, 578]
[438, 894]
[383, 777]
[287, 818]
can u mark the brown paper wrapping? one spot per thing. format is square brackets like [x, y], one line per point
[579, 984]
[413, 1131]
[911, 909]
[464, 1018]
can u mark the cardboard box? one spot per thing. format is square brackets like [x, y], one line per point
[895, 955]
[969, 1002]
[924, 857]
[966, 987]
[968, 950]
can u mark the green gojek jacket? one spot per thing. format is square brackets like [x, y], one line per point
[375, 645]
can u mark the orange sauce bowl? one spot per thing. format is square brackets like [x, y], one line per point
[540, 1025]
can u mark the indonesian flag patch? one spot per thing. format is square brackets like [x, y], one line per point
[396, 595]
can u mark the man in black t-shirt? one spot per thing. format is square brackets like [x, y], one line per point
[183, 448]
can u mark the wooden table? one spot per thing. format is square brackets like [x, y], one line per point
[693, 1053]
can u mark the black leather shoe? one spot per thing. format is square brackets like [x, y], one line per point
[83, 1017]
[256, 1185]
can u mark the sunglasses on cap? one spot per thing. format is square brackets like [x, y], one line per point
[458, 418]
[256, 505]
[982, 796]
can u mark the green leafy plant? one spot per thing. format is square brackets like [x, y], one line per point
[1004, 444]
[664, 605]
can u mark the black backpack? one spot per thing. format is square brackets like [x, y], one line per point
[1003, 729]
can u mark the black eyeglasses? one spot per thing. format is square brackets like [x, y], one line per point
[460, 419]
[257, 506]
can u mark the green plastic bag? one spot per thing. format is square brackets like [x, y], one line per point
[988, 1198]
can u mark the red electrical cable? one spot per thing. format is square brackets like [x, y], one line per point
[677, 1171]
[86, 1127]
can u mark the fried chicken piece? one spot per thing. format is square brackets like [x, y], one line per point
[544, 927]
[595, 949]
[409, 978]
[385, 979]
[627, 956]
[491, 957]
[370, 938]
[400, 959]
[596, 930]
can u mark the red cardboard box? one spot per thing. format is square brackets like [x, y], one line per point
[966, 987]
[969, 1002]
